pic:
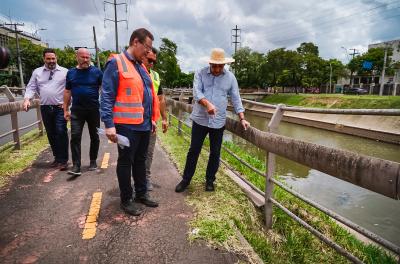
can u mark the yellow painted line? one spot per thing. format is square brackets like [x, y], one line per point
[89, 231]
[106, 158]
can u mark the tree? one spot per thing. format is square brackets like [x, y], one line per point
[167, 63]
[247, 67]
[308, 48]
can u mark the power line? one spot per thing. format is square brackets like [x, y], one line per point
[115, 20]
[299, 36]
[21, 76]
[330, 23]
[95, 6]
[236, 36]
[286, 29]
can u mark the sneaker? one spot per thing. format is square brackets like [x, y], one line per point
[131, 208]
[209, 187]
[146, 200]
[93, 165]
[181, 187]
[62, 166]
[76, 171]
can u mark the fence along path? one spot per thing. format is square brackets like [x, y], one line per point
[378, 175]
[12, 108]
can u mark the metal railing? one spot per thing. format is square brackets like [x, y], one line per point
[12, 108]
[373, 169]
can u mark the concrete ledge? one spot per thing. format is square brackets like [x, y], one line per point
[382, 128]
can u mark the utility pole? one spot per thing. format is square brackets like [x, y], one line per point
[330, 77]
[115, 20]
[383, 72]
[236, 36]
[21, 76]
[95, 47]
[351, 73]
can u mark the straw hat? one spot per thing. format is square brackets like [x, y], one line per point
[218, 57]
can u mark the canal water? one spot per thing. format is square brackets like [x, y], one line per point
[370, 210]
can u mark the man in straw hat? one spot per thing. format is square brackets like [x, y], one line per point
[211, 87]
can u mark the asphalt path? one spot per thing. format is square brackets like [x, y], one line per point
[43, 214]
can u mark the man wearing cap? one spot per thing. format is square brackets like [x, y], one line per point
[211, 87]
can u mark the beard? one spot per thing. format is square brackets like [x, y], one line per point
[51, 65]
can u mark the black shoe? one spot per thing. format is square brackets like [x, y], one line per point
[131, 208]
[146, 200]
[209, 187]
[149, 186]
[181, 187]
[93, 165]
[76, 171]
[62, 166]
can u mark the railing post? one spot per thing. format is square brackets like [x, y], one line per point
[14, 118]
[169, 114]
[39, 118]
[269, 185]
[180, 116]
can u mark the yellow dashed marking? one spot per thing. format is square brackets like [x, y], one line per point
[106, 158]
[89, 231]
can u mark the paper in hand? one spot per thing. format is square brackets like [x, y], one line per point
[122, 140]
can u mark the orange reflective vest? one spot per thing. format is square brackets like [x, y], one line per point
[128, 108]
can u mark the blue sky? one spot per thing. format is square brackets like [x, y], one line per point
[198, 26]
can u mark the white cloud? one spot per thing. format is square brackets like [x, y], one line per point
[198, 26]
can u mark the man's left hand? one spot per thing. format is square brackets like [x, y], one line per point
[154, 126]
[245, 124]
[164, 126]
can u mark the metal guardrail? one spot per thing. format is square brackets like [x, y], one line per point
[12, 108]
[394, 172]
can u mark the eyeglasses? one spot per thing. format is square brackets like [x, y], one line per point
[51, 75]
[147, 47]
[152, 61]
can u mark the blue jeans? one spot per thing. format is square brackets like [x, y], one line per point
[198, 135]
[132, 162]
[56, 129]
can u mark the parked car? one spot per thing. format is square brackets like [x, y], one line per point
[355, 91]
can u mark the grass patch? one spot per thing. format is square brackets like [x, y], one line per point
[14, 161]
[336, 101]
[218, 214]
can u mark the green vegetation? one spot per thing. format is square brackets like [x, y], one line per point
[336, 101]
[219, 214]
[14, 161]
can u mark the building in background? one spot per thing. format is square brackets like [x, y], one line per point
[372, 83]
[7, 33]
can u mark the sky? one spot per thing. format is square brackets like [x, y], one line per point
[197, 26]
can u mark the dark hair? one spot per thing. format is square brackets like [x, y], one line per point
[140, 34]
[48, 50]
[154, 50]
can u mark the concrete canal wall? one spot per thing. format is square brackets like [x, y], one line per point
[382, 128]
